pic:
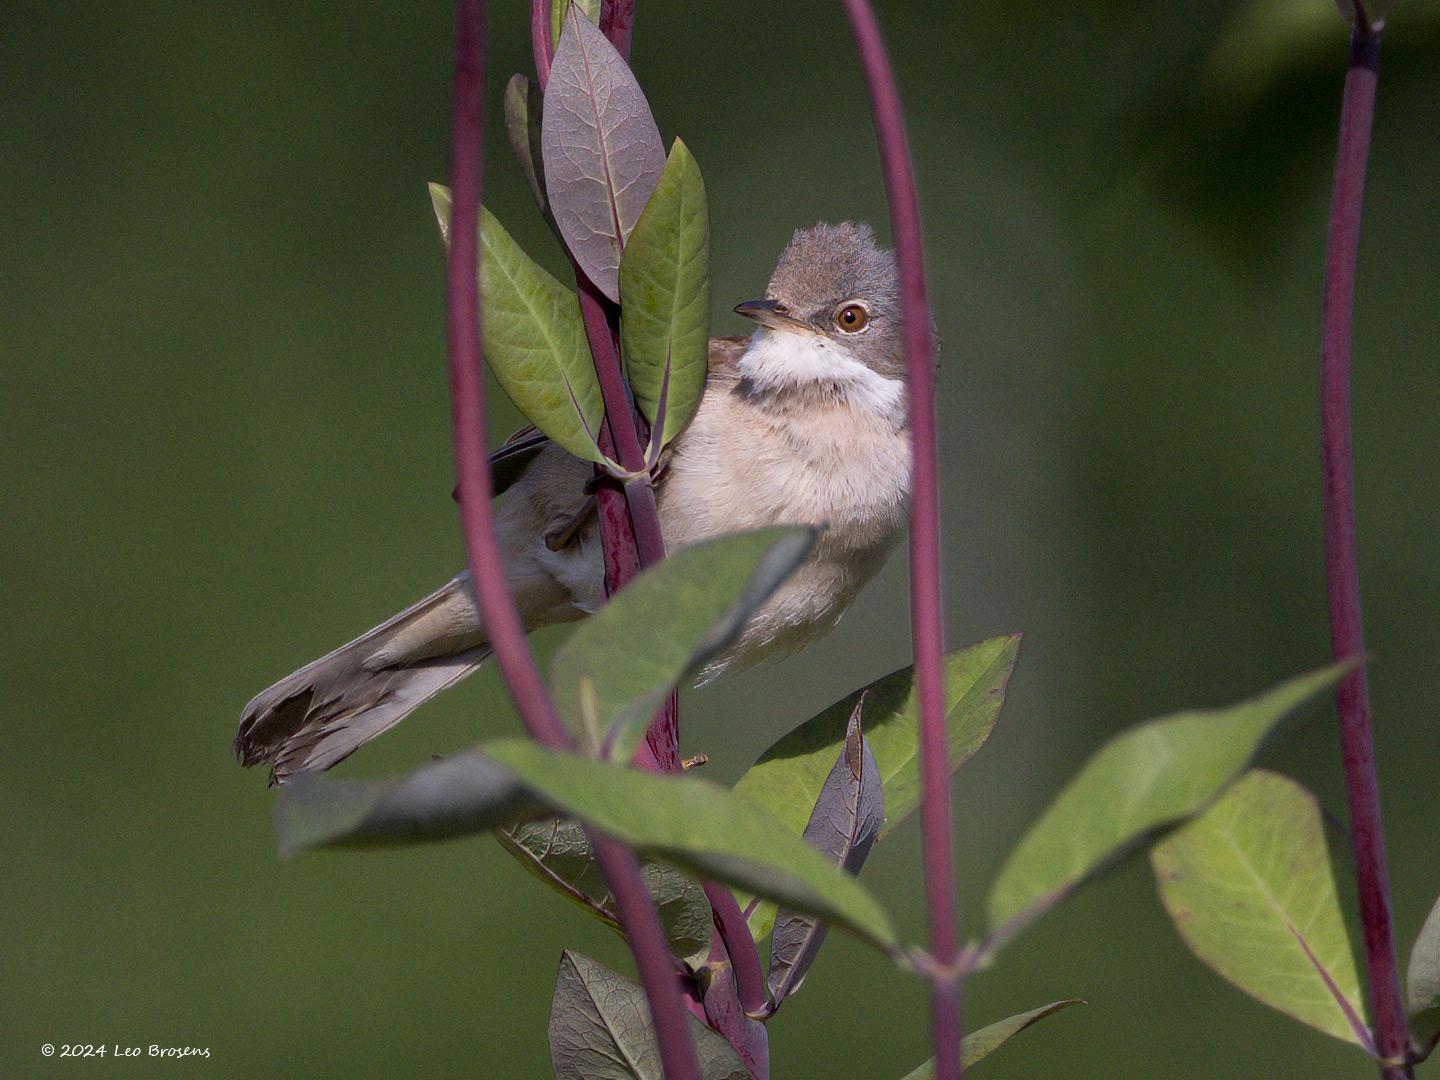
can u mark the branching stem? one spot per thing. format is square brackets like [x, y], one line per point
[507, 633]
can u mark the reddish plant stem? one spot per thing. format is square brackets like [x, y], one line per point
[1352, 697]
[540, 41]
[630, 533]
[927, 626]
[507, 634]
[617, 22]
[735, 934]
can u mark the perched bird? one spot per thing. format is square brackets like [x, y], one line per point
[804, 422]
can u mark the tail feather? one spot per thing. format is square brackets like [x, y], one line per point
[322, 713]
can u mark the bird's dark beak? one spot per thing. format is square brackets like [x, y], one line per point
[772, 314]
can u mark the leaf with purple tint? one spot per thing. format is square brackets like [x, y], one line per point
[600, 1029]
[557, 851]
[843, 826]
[534, 338]
[982, 1043]
[1251, 890]
[1422, 980]
[522, 126]
[665, 298]
[464, 794]
[602, 151]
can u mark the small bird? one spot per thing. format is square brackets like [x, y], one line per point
[802, 423]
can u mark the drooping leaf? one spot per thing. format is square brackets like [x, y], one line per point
[1251, 890]
[1423, 981]
[788, 777]
[460, 795]
[672, 619]
[600, 1029]
[557, 852]
[701, 827]
[980, 1044]
[522, 125]
[559, 9]
[534, 338]
[665, 297]
[843, 827]
[1151, 776]
[602, 150]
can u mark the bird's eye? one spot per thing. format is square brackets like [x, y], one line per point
[852, 318]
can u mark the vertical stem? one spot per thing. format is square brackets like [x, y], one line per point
[617, 21]
[734, 933]
[1342, 573]
[507, 634]
[927, 626]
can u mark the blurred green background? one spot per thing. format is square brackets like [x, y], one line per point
[223, 411]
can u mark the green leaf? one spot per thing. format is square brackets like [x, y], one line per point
[788, 777]
[522, 126]
[701, 827]
[672, 619]
[557, 852]
[464, 794]
[980, 1044]
[534, 338]
[1423, 981]
[1151, 776]
[665, 297]
[600, 1029]
[559, 9]
[1251, 890]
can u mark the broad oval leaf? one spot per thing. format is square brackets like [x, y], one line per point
[1251, 890]
[460, 795]
[600, 1029]
[788, 777]
[843, 827]
[701, 827]
[534, 338]
[602, 151]
[665, 298]
[1148, 777]
[672, 619]
[556, 851]
[522, 126]
[1422, 980]
[982, 1043]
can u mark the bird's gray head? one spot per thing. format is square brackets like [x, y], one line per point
[833, 302]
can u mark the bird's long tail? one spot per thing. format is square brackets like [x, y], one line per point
[322, 713]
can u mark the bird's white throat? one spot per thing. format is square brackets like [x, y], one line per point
[781, 360]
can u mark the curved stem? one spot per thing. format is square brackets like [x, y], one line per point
[735, 934]
[507, 633]
[927, 626]
[1352, 698]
